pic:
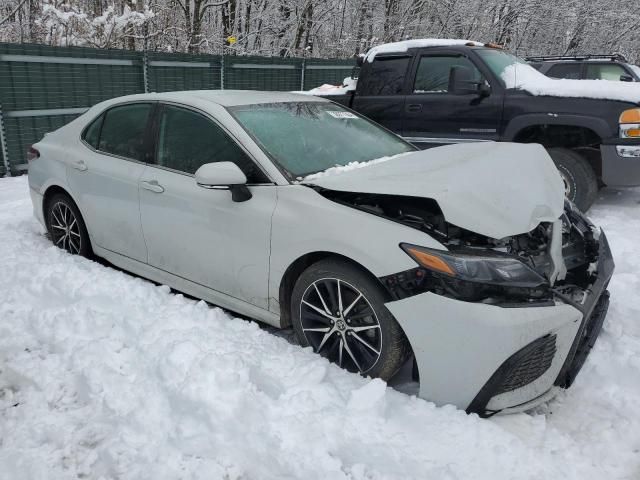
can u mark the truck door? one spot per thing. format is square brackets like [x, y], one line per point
[380, 93]
[435, 116]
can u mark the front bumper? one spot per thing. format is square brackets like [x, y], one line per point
[620, 162]
[477, 356]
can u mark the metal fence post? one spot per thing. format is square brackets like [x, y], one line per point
[3, 148]
[304, 62]
[222, 71]
[145, 73]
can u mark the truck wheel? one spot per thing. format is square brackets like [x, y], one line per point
[580, 181]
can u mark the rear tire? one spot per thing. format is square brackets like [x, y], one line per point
[581, 183]
[65, 225]
[362, 336]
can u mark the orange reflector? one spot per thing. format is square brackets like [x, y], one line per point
[431, 261]
[632, 132]
[630, 116]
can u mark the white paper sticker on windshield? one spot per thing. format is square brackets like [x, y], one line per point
[338, 114]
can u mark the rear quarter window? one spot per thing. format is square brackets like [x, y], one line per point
[384, 76]
[91, 134]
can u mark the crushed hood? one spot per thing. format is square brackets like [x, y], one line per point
[494, 189]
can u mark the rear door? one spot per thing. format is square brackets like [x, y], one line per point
[380, 93]
[104, 178]
[433, 115]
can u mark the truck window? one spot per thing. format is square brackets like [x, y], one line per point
[433, 73]
[385, 76]
[602, 71]
[565, 70]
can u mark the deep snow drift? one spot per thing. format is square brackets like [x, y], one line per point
[104, 375]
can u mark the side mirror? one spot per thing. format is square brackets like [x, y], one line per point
[224, 176]
[461, 83]
[626, 78]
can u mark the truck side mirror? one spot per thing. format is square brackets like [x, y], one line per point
[461, 82]
[626, 78]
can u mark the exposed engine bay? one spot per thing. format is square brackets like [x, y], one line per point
[579, 241]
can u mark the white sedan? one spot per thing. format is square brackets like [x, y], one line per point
[298, 212]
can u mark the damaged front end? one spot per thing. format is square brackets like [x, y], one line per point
[560, 269]
[555, 259]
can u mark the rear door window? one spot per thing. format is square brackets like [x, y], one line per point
[565, 70]
[123, 131]
[384, 76]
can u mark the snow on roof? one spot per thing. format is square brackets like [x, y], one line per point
[524, 77]
[348, 85]
[400, 47]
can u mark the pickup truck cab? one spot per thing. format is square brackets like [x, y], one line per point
[436, 92]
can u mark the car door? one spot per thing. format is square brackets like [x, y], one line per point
[433, 115]
[201, 234]
[380, 92]
[104, 178]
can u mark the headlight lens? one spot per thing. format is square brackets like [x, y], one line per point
[478, 268]
[630, 123]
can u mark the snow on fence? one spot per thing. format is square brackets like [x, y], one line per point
[43, 87]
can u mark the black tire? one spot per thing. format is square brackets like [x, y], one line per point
[65, 225]
[388, 347]
[581, 183]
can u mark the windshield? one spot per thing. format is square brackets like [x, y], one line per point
[309, 137]
[499, 62]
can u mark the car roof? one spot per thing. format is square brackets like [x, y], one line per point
[225, 98]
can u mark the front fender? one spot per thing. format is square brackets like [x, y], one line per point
[517, 124]
[305, 222]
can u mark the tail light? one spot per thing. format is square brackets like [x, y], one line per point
[32, 154]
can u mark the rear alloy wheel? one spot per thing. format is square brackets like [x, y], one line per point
[339, 311]
[66, 227]
[580, 181]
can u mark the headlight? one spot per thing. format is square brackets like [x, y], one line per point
[630, 123]
[478, 268]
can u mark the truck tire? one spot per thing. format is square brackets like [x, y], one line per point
[580, 181]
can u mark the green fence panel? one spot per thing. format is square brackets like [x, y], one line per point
[36, 78]
[179, 71]
[320, 71]
[43, 87]
[262, 73]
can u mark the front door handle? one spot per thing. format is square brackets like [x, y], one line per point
[152, 185]
[414, 107]
[80, 165]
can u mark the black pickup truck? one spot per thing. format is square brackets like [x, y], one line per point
[440, 94]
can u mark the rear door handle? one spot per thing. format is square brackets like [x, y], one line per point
[80, 165]
[414, 107]
[152, 185]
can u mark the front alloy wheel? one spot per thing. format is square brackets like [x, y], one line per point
[338, 320]
[338, 310]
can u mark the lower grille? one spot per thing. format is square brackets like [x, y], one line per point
[527, 364]
[520, 369]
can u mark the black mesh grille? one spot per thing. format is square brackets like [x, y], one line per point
[528, 364]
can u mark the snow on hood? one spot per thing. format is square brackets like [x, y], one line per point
[494, 189]
[403, 46]
[525, 77]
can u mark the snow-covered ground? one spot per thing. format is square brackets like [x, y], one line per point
[104, 375]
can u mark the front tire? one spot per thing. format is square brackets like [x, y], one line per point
[580, 181]
[339, 311]
[65, 225]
